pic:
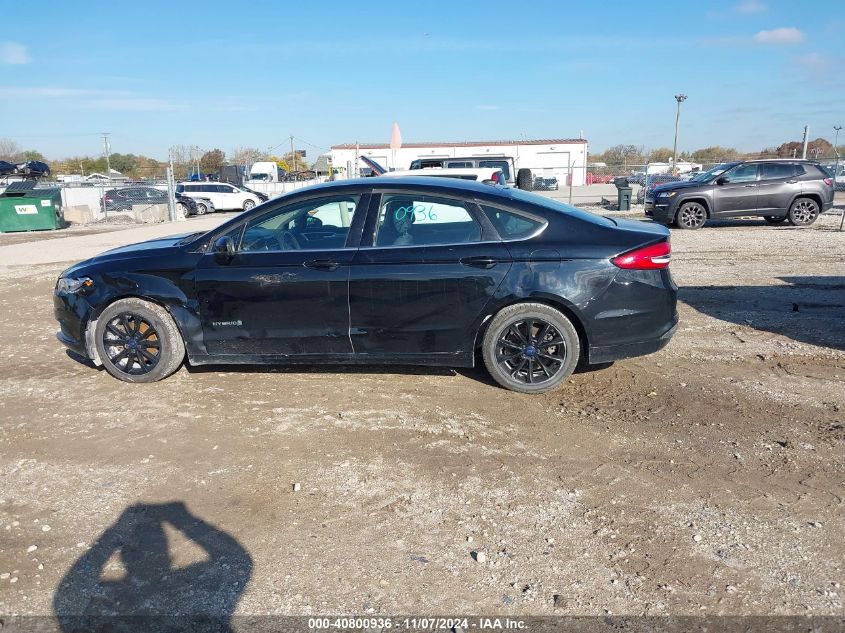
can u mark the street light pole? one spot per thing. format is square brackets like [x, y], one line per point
[836, 168]
[680, 99]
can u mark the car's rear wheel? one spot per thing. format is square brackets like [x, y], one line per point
[524, 180]
[201, 208]
[248, 204]
[803, 212]
[530, 348]
[691, 215]
[138, 341]
[774, 219]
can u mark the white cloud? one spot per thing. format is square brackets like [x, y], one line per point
[13, 53]
[50, 92]
[92, 98]
[815, 62]
[787, 35]
[748, 7]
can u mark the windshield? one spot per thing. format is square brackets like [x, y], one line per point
[713, 172]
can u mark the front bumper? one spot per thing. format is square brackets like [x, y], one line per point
[71, 311]
[660, 210]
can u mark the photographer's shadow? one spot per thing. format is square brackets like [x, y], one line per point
[152, 595]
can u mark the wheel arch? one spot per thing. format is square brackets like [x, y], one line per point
[815, 197]
[187, 323]
[703, 201]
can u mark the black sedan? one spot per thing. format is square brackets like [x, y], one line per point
[413, 270]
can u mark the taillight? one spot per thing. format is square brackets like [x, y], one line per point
[645, 258]
[828, 182]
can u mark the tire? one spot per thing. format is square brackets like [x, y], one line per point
[201, 208]
[128, 322]
[248, 204]
[524, 180]
[691, 216]
[774, 219]
[512, 353]
[182, 209]
[803, 212]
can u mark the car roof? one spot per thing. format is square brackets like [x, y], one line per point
[449, 172]
[458, 185]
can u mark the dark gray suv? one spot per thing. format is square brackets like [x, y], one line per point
[778, 190]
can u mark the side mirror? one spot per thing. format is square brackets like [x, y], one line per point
[224, 250]
[721, 180]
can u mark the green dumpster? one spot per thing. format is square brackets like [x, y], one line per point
[28, 209]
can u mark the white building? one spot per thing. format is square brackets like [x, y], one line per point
[544, 157]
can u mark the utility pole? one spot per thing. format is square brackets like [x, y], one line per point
[680, 99]
[292, 155]
[806, 138]
[107, 151]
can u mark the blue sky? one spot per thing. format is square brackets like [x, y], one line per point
[228, 74]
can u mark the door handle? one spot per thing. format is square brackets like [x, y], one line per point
[750, 185]
[479, 262]
[321, 264]
[791, 182]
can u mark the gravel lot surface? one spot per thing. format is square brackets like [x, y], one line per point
[707, 478]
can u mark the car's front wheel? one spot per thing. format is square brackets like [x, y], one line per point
[691, 215]
[803, 212]
[201, 208]
[774, 219]
[182, 209]
[248, 204]
[530, 348]
[138, 341]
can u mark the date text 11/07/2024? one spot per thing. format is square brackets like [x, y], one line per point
[416, 624]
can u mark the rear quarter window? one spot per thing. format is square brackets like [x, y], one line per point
[509, 225]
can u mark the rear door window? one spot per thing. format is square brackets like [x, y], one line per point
[421, 220]
[497, 164]
[776, 171]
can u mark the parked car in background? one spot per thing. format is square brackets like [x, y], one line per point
[33, 168]
[545, 183]
[487, 175]
[262, 197]
[224, 197]
[409, 270]
[516, 178]
[204, 205]
[793, 190]
[185, 205]
[124, 199]
[653, 181]
[7, 168]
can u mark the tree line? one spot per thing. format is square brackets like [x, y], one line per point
[640, 155]
[185, 159]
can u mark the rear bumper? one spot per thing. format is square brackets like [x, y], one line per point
[608, 353]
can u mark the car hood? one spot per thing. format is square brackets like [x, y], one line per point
[150, 248]
[677, 186]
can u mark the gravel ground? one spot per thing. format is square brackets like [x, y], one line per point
[707, 478]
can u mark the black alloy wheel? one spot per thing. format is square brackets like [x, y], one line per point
[531, 351]
[530, 347]
[132, 344]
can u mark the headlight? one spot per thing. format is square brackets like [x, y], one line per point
[69, 285]
[667, 194]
